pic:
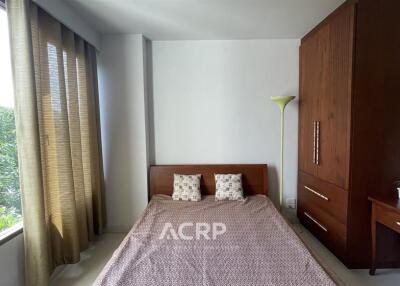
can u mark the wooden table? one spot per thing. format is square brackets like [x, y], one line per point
[386, 211]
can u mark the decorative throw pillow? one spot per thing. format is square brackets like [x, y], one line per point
[228, 187]
[186, 187]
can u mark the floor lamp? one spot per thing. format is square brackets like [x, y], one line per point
[282, 101]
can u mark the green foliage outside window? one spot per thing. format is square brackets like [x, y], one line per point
[10, 200]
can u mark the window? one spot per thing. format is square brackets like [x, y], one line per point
[10, 199]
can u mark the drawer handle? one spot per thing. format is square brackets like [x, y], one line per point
[316, 222]
[316, 193]
[398, 223]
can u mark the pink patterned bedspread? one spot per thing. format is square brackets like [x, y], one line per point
[212, 243]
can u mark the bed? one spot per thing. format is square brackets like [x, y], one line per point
[212, 242]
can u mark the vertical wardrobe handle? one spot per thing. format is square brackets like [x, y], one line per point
[314, 134]
[317, 144]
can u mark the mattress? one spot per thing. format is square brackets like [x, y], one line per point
[212, 243]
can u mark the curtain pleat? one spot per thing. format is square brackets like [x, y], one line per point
[64, 101]
[95, 142]
[36, 243]
[85, 135]
[70, 71]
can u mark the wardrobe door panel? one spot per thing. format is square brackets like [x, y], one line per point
[310, 78]
[336, 68]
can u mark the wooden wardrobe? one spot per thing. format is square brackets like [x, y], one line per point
[349, 127]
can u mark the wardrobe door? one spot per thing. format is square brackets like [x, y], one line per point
[310, 78]
[336, 67]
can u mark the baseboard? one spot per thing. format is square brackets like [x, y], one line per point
[117, 228]
[290, 215]
[379, 265]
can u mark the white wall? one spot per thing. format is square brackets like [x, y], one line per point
[123, 112]
[187, 102]
[212, 104]
[12, 262]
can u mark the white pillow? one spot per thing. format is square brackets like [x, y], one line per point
[228, 187]
[187, 187]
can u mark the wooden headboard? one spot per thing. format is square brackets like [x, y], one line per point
[254, 176]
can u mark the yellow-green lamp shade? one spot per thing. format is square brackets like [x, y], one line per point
[282, 100]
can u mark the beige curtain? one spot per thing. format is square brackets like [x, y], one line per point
[58, 139]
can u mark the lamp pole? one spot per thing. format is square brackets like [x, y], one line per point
[281, 101]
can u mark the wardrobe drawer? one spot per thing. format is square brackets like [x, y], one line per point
[323, 195]
[326, 228]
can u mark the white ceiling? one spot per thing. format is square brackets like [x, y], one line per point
[205, 19]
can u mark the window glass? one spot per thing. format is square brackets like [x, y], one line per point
[10, 200]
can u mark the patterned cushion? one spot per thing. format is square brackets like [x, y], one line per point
[228, 187]
[186, 187]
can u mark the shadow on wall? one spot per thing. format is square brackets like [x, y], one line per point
[115, 110]
[149, 91]
[273, 184]
[150, 103]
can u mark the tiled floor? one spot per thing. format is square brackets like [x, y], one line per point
[92, 262]
[359, 277]
[94, 259]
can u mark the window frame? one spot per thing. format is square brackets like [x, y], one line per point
[10, 233]
[16, 229]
